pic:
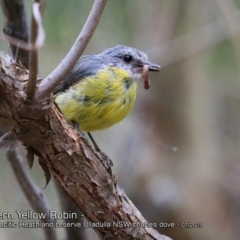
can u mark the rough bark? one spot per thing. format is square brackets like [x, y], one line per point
[79, 169]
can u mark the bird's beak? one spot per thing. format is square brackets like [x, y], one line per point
[154, 67]
[151, 66]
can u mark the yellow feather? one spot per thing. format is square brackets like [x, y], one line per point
[98, 102]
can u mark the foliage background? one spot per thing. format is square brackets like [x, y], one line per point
[177, 153]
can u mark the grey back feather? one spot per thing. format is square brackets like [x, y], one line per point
[86, 66]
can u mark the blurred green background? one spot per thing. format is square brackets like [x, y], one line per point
[177, 154]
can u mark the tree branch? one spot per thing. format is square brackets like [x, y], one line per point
[34, 195]
[59, 73]
[70, 159]
[36, 25]
[67, 204]
[16, 27]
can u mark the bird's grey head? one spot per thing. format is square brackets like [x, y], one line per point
[128, 58]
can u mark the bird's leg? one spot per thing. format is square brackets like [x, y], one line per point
[107, 162]
[94, 143]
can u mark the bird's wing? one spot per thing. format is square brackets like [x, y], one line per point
[86, 66]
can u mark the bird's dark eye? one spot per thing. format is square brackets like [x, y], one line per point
[127, 58]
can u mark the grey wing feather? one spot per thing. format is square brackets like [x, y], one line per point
[86, 66]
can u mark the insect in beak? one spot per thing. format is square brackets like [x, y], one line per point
[146, 68]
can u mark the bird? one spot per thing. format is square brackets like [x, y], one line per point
[101, 89]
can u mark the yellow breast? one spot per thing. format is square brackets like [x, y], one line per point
[98, 102]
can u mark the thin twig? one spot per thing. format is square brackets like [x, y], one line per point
[33, 193]
[20, 44]
[36, 37]
[8, 141]
[60, 72]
